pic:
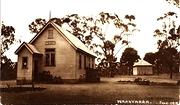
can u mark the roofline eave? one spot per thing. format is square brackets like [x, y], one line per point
[28, 48]
[78, 49]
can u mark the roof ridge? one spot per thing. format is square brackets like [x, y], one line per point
[142, 62]
[29, 46]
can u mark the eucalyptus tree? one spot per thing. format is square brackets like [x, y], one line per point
[7, 37]
[128, 58]
[174, 2]
[168, 41]
[7, 67]
[150, 57]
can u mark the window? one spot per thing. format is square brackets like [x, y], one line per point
[50, 34]
[24, 62]
[50, 57]
[84, 61]
[92, 63]
[89, 62]
[80, 61]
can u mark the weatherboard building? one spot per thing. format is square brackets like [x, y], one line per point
[55, 50]
[142, 67]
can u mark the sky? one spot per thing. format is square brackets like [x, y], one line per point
[20, 13]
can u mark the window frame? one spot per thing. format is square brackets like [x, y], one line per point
[84, 61]
[48, 62]
[50, 34]
[80, 61]
[92, 62]
[26, 59]
[89, 62]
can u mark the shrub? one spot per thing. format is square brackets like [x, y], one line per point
[141, 81]
[8, 70]
[82, 78]
[46, 77]
[57, 80]
[137, 80]
[145, 82]
[92, 75]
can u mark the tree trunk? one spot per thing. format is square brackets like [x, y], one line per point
[171, 72]
[157, 71]
[171, 75]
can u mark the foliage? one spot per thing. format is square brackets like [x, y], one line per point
[137, 80]
[164, 60]
[8, 69]
[174, 2]
[37, 25]
[168, 43]
[150, 57]
[141, 81]
[129, 56]
[92, 75]
[169, 34]
[7, 37]
[109, 60]
[46, 77]
[168, 59]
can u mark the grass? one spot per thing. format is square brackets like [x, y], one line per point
[108, 91]
[20, 89]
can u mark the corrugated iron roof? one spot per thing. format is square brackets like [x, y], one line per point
[33, 48]
[142, 63]
[74, 40]
[30, 47]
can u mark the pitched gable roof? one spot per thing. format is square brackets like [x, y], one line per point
[73, 40]
[31, 48]
[142, 63]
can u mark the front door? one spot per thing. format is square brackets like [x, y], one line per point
[36, 70]
[36, 67]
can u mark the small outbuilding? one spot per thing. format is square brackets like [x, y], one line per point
[142, 68]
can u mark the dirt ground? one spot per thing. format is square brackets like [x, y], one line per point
[108, 91]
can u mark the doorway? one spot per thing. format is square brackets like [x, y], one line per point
[36, 70]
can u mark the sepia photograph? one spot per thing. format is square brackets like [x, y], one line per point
[117, 52]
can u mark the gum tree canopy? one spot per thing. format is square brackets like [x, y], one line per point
[8, 68]
[168, 42]
[7, 37]
[128, 58]
[174, 2]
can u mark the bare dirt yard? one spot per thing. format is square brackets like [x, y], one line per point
[109, 90]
